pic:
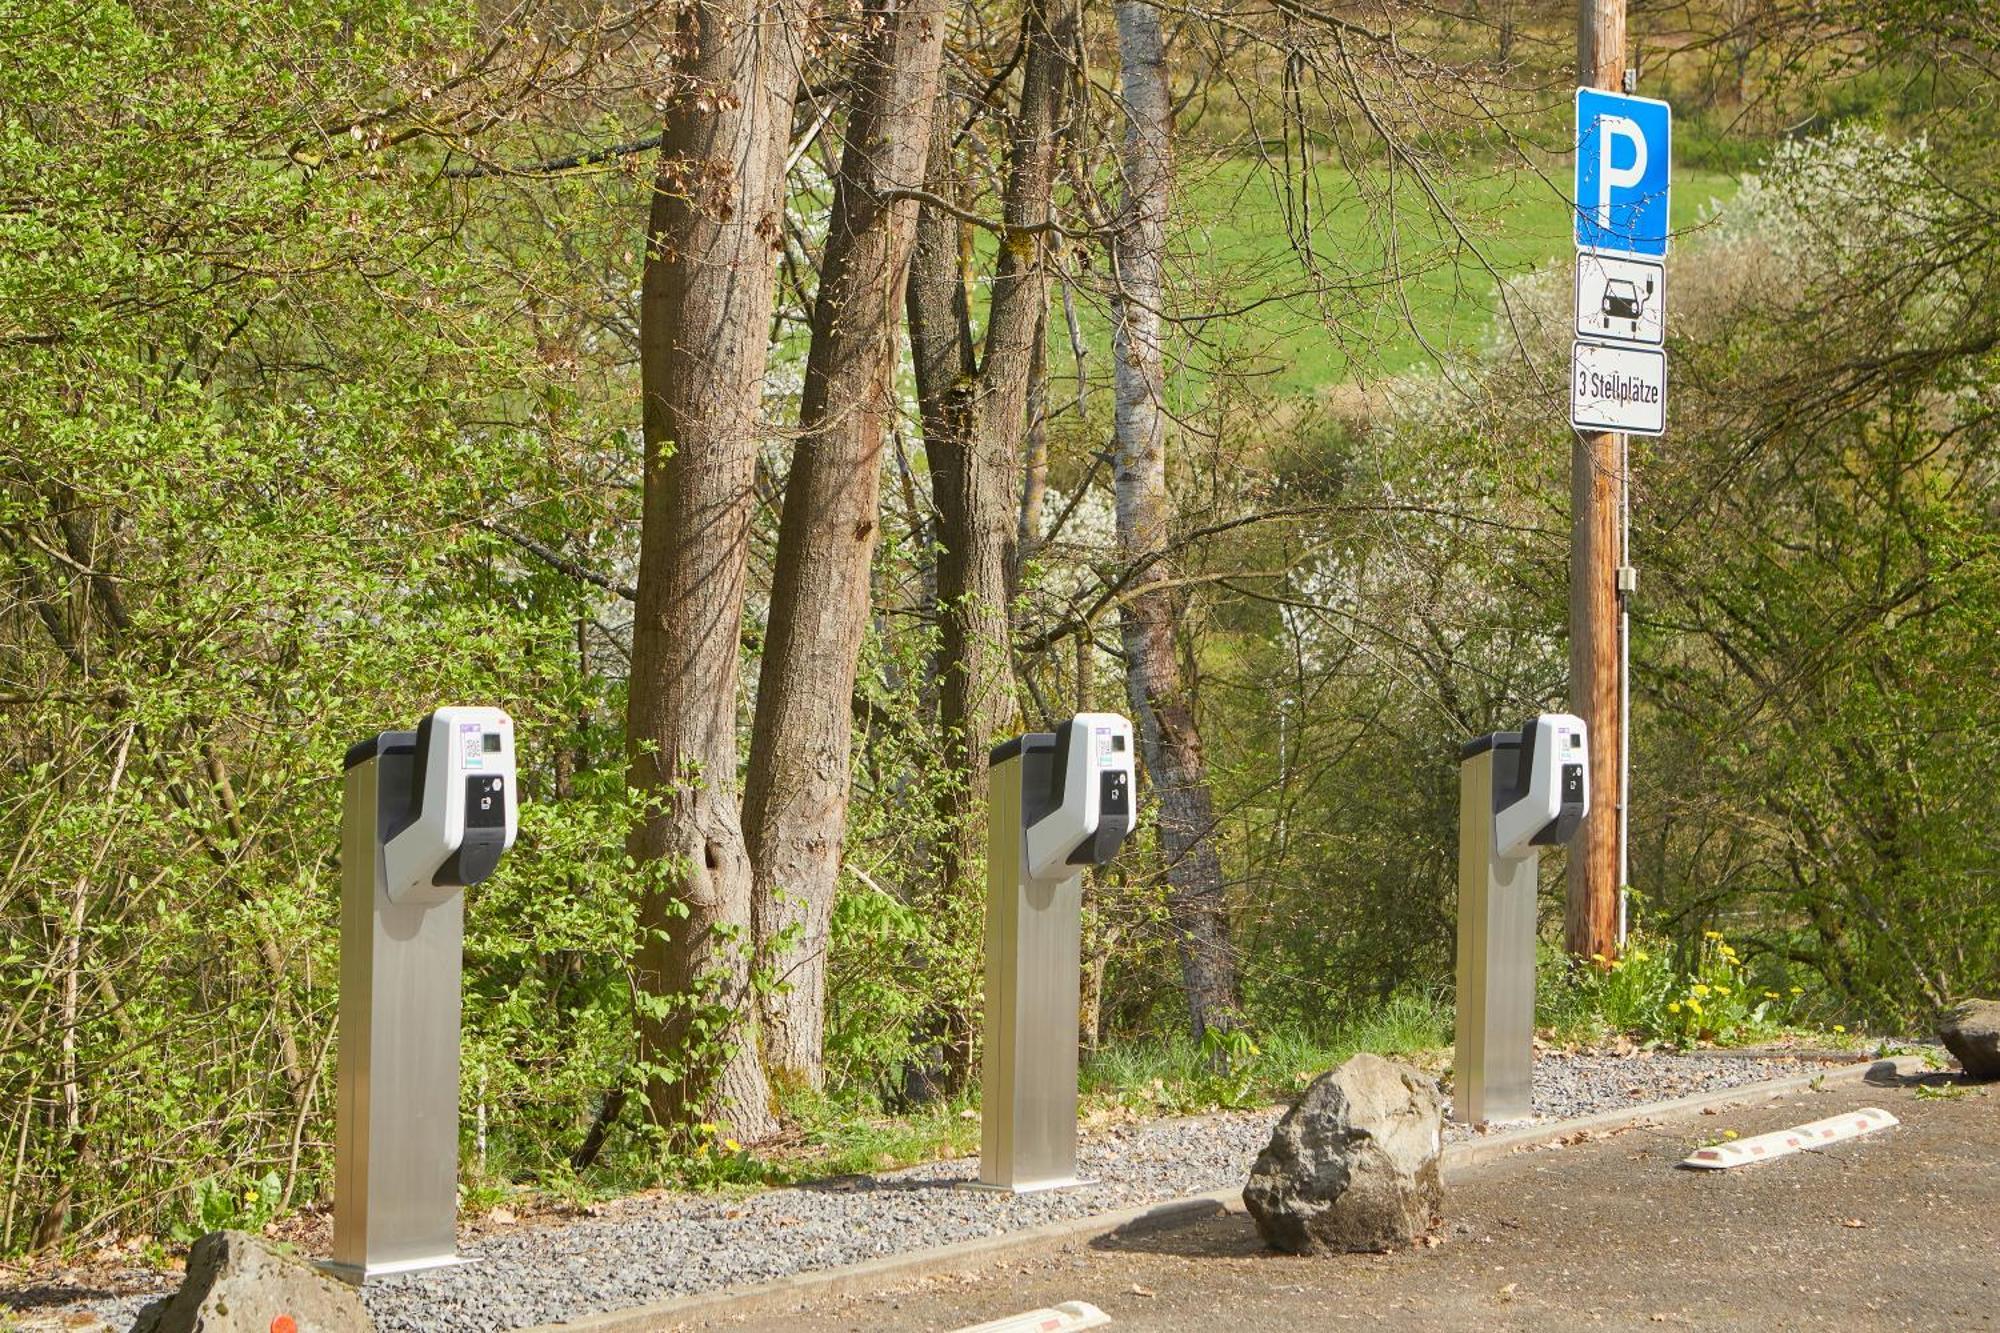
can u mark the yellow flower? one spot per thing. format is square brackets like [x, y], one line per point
[1711, 934]
[1700, 989]
[1673, 1006]
[1597, 958]
[1728, 1133]
[1840, 1027]
[1694, 1006]
[1798, 990]
[1770, 995]
[1638, 955]
[1722, 990]
[732, 1145]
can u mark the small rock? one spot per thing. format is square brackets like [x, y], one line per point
[238, 1284]
[1354, 1165]
[1971, 1031]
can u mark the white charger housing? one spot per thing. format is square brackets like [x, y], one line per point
[1551, 789]
[1093, 798]
[464, 807]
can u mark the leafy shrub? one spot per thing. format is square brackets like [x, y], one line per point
[1675, 995]
[228, 1204]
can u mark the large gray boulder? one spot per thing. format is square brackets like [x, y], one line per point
[1971, 1031]
[237, 1284]
[1353, 1166]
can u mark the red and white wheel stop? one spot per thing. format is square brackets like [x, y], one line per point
[1055, 1319]
[1784, 1142]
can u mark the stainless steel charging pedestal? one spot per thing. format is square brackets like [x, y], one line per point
[396, 1109]
[1518, 791]
[1494, 1063]
[1073, 789]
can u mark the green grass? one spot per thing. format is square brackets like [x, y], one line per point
[839, 1135]
[833, 1140]
[1384, 282]
[1160, 1076]
[1173, 1076]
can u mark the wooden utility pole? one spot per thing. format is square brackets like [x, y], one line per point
[1596, 468]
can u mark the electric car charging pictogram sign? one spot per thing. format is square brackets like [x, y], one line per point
[1624, 156]
[1620, 300]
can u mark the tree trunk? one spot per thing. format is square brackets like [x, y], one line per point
[972, 645]
[1161, 700]
[705, 308]
[974, 423]
[974, 415]
[795, 804]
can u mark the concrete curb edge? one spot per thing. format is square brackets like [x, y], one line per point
[873, 1275]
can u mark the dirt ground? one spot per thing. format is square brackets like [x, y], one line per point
[1897, 1230]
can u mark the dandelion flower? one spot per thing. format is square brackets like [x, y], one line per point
[1840, 1027]
[1700, 988]
[1673, 1006]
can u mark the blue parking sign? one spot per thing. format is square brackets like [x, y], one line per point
[1624, 153]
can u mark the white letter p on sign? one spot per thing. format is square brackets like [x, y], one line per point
[1609, 130]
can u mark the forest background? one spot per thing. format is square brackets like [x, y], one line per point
[361, 357]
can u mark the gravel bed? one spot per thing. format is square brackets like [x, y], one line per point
[652, 1248]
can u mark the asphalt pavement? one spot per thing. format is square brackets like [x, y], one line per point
[1897, 1230]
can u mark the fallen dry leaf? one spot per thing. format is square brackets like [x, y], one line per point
[1138, 1290]
[1854, 1222]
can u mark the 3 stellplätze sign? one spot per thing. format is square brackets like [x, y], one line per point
[1618, 388]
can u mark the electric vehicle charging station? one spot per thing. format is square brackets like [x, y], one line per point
[1518, 792]
[1059, 801]
[424, 814]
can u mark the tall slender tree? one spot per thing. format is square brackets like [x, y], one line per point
[1162, 701]
[705, 309]
[975, 411]
[795, 801]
